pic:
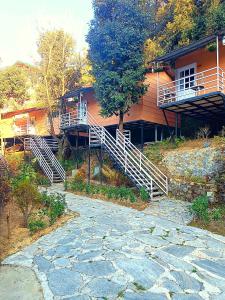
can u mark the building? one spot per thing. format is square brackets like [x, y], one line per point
[145, 121]
[197, 81]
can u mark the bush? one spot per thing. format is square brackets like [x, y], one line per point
[35, 225]
[144, 195]
[27, 197]
[80, 176]
[200, 208]
[42, 180]
[216, 214]
[111, 192]
[26, 173]
[55, 204]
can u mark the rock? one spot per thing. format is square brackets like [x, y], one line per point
[187, 282]
[211, 266]
[103, 288]
[179, 251]
[95, 268]
[64, 282]
[43, 264]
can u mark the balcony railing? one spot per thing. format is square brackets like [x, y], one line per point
[73, 118]
[24, 130]
[197, 84]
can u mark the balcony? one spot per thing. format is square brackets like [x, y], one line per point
[73, 119]
[198, 94]
[196, 84]
[22, 130]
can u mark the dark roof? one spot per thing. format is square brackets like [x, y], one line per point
[190, 48]
[76, 92]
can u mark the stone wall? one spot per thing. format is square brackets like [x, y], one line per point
[196, 172]
[204, 162]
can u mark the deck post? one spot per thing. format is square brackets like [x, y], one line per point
[156, 133]
[142, 136]
[89, 164]
[162, 132]
[100, 164]
[176, 128]
[217, 63]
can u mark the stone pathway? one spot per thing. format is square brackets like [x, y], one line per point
[114, 252]
[171, 209]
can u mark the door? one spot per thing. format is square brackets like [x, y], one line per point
[82, 111]
[186, 82]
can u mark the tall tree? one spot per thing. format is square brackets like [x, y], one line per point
[116, 38]
[13, 85]
[56, 49]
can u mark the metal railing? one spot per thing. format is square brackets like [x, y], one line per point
[42, 144]
[24, 130]
[69, 119]
[193, 85]
[132, 161]
[41, 159]
[52, 143]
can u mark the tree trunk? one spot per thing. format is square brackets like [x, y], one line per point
[121, 115]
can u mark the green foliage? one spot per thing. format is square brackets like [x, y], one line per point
[13, 85]
[200, 208]
[216, 214]
[26, 173]
[153, 151]
[26, 196]
[55, 204]
[116, 40]
[111, 192]
[42, 180]
[144, 195]
[36, 225]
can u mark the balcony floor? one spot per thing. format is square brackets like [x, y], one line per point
[208, 106]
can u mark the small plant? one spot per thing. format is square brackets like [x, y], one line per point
[216, 214]
[27, 197]
[36, 225]
[200, 208]
[144, 195]
[204, 132]
[139, 287]
[43, 181]
[55, 204]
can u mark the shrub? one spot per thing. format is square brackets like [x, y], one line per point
[35, 225]
[216, 214]
[26, 173]
[144, 195]
[80, 176]
[55, 204]
[27, 197]
[42, 180]
[200, 208]
[5, 190]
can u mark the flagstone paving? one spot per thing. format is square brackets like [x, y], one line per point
[114, 252]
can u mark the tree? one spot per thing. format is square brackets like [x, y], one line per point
[116, 38]
[13, 85]
[56, 49]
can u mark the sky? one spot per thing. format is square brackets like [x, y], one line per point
[21, 21]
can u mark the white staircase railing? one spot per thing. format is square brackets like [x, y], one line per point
[131, 160]
[54, 161]
[42, 161]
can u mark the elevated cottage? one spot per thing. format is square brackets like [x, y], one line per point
[145, 120]
[197, 78]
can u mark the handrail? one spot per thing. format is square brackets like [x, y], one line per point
[43, 163]
[140, 169]
[208, 80]
[54, 161]
[143, 161]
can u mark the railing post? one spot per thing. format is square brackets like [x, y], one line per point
[140, 161]
[69, 118]
[218, 78]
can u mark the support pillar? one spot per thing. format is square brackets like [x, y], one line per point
[176, 128]
[89, 164]
[162, 133]
[156, 133]
[100, 161]
[142, 137]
